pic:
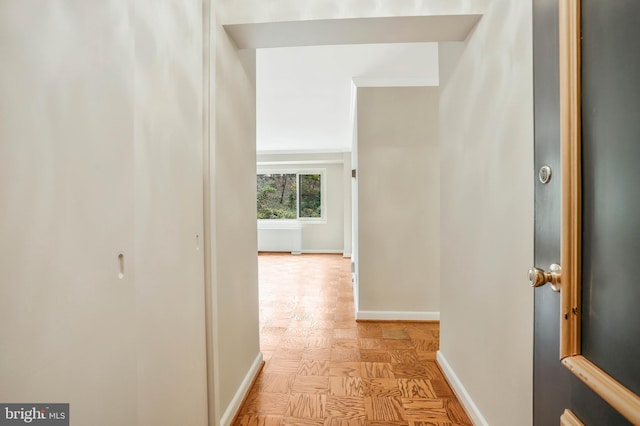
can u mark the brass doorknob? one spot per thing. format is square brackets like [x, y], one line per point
[538, 277]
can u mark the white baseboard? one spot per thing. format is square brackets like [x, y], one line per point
[242, 391]
[312, 251]
[397, 316]
[346, 255]
[461, 392]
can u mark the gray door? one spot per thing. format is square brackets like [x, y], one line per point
[610, 232]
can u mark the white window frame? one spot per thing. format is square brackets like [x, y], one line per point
[299, 171]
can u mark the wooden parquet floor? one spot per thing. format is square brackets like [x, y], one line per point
[323, 368]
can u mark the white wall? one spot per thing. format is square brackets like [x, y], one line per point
[100, 154]
[168, 206]
[326, 237]
[304, 93]
[486, 136]
[233, 259]
[398, 203]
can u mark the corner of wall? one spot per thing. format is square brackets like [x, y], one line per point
[461, 392]
[243, 390]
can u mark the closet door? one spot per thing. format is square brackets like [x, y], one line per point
[67, 313]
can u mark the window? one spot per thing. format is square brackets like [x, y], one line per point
[310, 203]
[289, 196]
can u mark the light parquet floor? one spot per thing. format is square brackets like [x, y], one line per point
[323, 368]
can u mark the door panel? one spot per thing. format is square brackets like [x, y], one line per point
[611, 187]
[610, 209]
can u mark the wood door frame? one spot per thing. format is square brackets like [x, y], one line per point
[617, 395]
[570, 419]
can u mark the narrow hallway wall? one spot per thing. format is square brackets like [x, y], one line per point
[486, 136]
[234, 258]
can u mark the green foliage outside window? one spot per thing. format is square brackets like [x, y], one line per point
[277, 196]
[310, 203]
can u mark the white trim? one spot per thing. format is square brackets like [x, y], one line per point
[346, 254]
[242, 391]
[296, 163]
[356, 291]
[289, 223]
[322, 220]
[321, 251]
[394, 82]
[301, 152]
[397, 316]
[461, 392]
[278, 224]
[354, 197]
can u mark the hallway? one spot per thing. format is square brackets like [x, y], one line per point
[324, 368]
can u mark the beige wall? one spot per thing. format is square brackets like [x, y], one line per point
[398, 200]
[168, 209]
[233, 259]
[486, 126]
[100, 154]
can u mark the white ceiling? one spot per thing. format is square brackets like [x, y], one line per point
[304, 93]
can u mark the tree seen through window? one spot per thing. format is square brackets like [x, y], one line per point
[310, 203]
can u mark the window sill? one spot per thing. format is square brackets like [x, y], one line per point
[288, 223]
